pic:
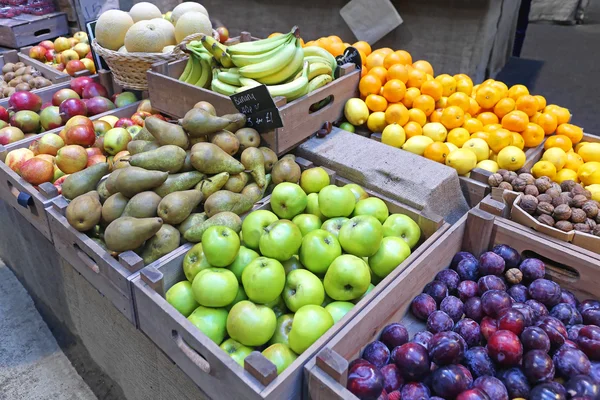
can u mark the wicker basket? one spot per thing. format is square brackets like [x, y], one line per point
[129, 69]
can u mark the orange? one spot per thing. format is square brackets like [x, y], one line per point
[425, 103]
[461, 100]
[392, 59]
[473, 125]
[335, 39]
[429, 77]
[453, 117]
[364, 71]
[533, 135]
[363, 46]
[458, 136]
[396, 114]
[379, 72]
[535, 117]
[416, 78]
[274, 34]
[560, 141]
[394, 90]
[375, 60]
[562, 115]
[346, 45]
[481, 135]
[437, 151]
[571, 131]
[432, 88]
[474, 109]
[548, 122]
[412, 128]
[504, 106]
[423, 66]
[384, 50]
[488, 118]
[487, 96]
[417, 115]
[448, 82]
[436, 115]
[528, 104]
[464, 86]
[499, 139]
[397, 71]
[310, 43]
[324, 43]
[404, 56]
[369, 84]
[336, 49]
[515, 121]
[517, 91]
[411, 94]
[487, 82]
[363, 58]
[376, 102]
[461, 76]
[541, 102]
[501, 86]
[442, 102]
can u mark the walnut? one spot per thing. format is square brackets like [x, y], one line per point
[587, 194]
[494, 180]
[511, 177]
[596, 230]
[557, 201]
[556, 186]
[519, 184]
[546, 220]
[578, 215]
[590, 208]
[514, 276]
[568, 185]
[543, 183]
[544, 198]
[545, 208]
[503, 173]
[568, 198]
[598, 218]
[564, 226]
[552, 192]
[582, 228]
[505, 186]
[531, 190]
[578, 201]
[591, 223]
[529, 204]
[562, 212]
[577, 189]
[528, 178]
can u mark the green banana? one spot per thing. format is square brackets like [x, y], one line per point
[206, 72]
[317, 69]
[222, 87]
[317, 59]
[268, 67]
[321, 52]
[196, 71]
[288, 71]
[259, 46]
[243, 60]
[248, 82]
[229, 77]
[294, 89]
[187, 70]
[319, 81]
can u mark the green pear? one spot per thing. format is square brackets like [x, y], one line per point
[102, 191]
[134, 180]
[210, 185]
[140, 146]
[179, 182]
[286, 170]
[198, 122]
[236, 182]
[224, 200]
[175, 207]
[236, 121]
[113, 207]
[162, 243]
[209, 158]
[111, 181]
[83, 181]
[167, 158]
[142, 205]
[187, 163]
[192, 220]
[144, 135]
[255, 193]
[254, 161]
[84, 212]
[226, 141]
[167, 133]
[248, 137]
[225, 218]
[270, 158]
[128, 233]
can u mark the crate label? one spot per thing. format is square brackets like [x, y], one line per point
[260, 109]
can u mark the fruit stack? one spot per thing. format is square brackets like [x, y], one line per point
[282, 278]
[66, 54]
[495, 329]
[18, 77]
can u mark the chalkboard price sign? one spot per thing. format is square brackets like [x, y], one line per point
[258, 106]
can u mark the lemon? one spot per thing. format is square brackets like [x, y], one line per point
[556, 156]
[462, 160]
[595, 190]
[479, 147]
[436, 131]
[376, 122]
[566, 175]
[574, 161]
[517, 140]
[393, 135]
[590, 152]
[511, 158]
[451, 146]
[544, 168]
[356, 111]
[458, 136]
[579, 146]
[488, 165]
[589, 173]
[417, 144]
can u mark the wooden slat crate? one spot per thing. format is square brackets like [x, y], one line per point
[47, 72]
[476, 232]
[217, 374]
[27, 29]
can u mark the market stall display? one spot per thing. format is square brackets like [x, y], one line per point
[68, 55]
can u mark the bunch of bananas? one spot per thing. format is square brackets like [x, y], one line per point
[198, 70]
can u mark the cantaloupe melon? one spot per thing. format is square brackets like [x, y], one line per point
[192, 22]
[145, 36]
[111, 28]
[167, 29]
[168, 49]
[184, 8]
[144, 11]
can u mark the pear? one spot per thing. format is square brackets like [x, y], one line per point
[198, 122]
[225, 218]
[142, 205]
[162, 243]
[102, 191]
[187, 163]
[210, 185]
[236, 182]
[167, 133]
[286, 170]
[178, 182]
[270, 158]
[144, 135]
[199, 139]
[175, 207]
[224, 200]
[128, 233]
[140, 146]
[84, 212]
[83, 181]
[111, 181]
[226, 141]
[168, 158]
[134, 180]
[193, 220]
[236, 121]
[253, 160]
[206, 106]
[209, 158]
[248, 137]
[254, 192]
[113, 207]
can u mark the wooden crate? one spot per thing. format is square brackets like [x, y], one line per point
[476, 232]
[54, 75]
[27, 29]
[48, 71]
[210, 367]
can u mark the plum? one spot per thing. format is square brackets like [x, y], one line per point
[467, 289]
[505, 348]
[449, 381]
[446, 348]
[539, 310]
[453, 307]
[436, 289]
[566, 296]
[467, 374]
[392, 379]
[491, 263]
[355, 363]
[516, 383]
[450, 278]
[394, 335]
[439, 321]
[532, 269]
[494, 302]
[461, 255]
[511, 257]
[570, 362]
[478, 362]
[423, 338]
[548, 391]
[377, 354]
[573, 331]
[519, 293]
[473, 309]
[582, 385]
[538, 366]
[469, 331]
[545, 291]
[468, 270]
[556, 331]
[595, 371]
[567, 314]
[365, 381]
[422, 306]
[412, 360]
[591, 316]
[490, 282]
[589, 303]
[488, 327]
[414, 391]
[589, 342]
[492, 386]
[512, 320]
[534, 338]
[473, 394]
[526, 311]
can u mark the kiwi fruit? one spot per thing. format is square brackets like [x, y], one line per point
[22, 87]
[20, 71]
[26, 78]
[8, 67]
[19, 65]
[9, 76]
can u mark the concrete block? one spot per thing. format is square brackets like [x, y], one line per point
[413, 180]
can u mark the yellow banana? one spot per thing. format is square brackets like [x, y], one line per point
[249, 82]
[288, 71]
[211, 45]
[275, 64]
[294, 89]
[319, 81]
[222, 56]
[259, 46]
[242, 60]
[321, 52]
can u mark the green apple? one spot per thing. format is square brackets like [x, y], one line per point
[310, 323]
[358, 191]
[280, 240]
[313, 180]
[211, 321]
[312, 206]
[372, 206]
[251, 324]
[236, 350]
[241, 295]
[282, 330]
[335, 201]
[404, 227]
[334, 225]
[302, 287]
[181, 296]
[361, 236]
[116, 140]
[319, 249]
[307, 223]
[215, 287]
[253, 226]
[371, 287]
[280, 355]
[278, 306]
[263, 279]
[338, 309]
[347, 278]
[221, 245]
[392, 252]
[194, 262]
[292, 264]
[288, 200]
[244, 256]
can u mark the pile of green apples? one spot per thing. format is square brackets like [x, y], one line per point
[287, 275]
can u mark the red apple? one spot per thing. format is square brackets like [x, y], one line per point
[82, 135]
[99, 143]
[139, 117]
[11, 134]
[74, 66]
[99, 105]
[95, 159]
[77, 84]
[50, 144]
[73, 41]
[145, 105]
[79, 120]
[101, 127]
[124, 123]
[3, 114]
[19, 101]
[61, 44]
[50, 118]
[91, 151]
[47, 44]
[38, 53]
[49, 56]
[34, 147]
[223, 34]
[59, 182]
[46, 105]
[63, 134]
[89, 56]
[71, 159]
[71, 107]
[62, 95]
[37, 171]
[60, 66]
[159, 116]
[94, 89]
[16, 158]
[46, 157]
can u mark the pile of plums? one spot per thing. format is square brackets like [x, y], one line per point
[497, 329]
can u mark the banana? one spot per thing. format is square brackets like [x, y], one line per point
[259, 46]
[243, 60]
[211, 45]
[249, 83]
[317, 59]
[321, 52]
[196, 71]
[319, 81]
[294, 89]
[206, 72]
[317, 69]
[186, 71]
[275, 64]
[229, 77]
[288, 71]
[222, 56]
[222, 87]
